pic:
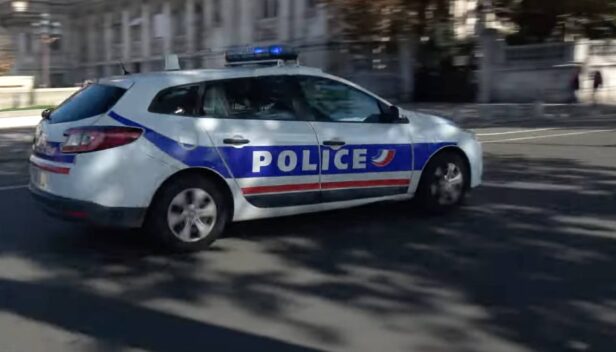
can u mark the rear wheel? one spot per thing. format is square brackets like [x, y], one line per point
[188, 214]
[443, 183]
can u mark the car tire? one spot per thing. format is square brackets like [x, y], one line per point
[443, 184]
[188, 214]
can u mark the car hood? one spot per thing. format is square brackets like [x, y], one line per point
[428, 120]
[434, 127]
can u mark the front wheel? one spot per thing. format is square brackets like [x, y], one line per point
[443, 183]
[188, 214]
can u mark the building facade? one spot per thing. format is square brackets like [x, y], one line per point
[99, 36]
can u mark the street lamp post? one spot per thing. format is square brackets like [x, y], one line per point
[48, 32]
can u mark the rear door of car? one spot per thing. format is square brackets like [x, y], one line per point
[365, 153]
[269, 150]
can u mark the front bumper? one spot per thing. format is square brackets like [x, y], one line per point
[76, 210]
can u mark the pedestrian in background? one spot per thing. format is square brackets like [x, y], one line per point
[597, 82]
[575, 86]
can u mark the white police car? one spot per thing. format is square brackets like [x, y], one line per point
[183, 153]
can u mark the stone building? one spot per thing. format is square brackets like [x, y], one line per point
[98, 35]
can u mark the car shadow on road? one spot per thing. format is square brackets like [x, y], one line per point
[528, 263]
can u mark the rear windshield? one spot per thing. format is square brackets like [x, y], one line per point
[93, 100]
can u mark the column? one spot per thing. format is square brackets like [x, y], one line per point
[108, 35]
[284, 12]
[487, 40]
[146, 36]
[229, 23]
[126, 42]
[406, 52]
[189, 6]
[207, 26]
[91, 36]
[247, 22]
[168, 32]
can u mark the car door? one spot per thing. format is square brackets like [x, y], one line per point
[364, 153]
[269, 150]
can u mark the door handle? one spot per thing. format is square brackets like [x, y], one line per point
[334, 143]
[236, 141]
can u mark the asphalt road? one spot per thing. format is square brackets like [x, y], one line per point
[528, 264]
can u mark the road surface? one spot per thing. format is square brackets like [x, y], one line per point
[529, 264]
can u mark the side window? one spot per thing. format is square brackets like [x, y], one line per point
[181, 100]
[329, 100]
[260, 98]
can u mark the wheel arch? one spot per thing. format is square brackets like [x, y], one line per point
[208, 173]
[454, 149]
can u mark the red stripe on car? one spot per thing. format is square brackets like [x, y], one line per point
[325, 186]
[281, 188]
[52, 169]
[365, 183]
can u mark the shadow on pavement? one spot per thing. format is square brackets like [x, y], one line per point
[122, 324]
[528, 263]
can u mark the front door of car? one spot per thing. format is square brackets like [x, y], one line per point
[270, 152]
[365, 151]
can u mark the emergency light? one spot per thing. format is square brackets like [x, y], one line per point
[261, 54]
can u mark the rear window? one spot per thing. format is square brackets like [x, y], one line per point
[93, 100]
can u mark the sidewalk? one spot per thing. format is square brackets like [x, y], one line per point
[20, 113]
[510, 112]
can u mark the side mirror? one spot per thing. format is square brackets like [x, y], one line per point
[394, 111]
[391, 115]
[46, 114]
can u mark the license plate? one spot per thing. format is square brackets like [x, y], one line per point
[39, 178]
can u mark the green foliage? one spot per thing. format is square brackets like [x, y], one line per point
[376, 20]
[543, 20]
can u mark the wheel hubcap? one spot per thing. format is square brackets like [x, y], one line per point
[192, 215]
[448, 184]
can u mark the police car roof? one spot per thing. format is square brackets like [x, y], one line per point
[179, 77]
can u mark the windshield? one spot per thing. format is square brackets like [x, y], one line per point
[93, 100]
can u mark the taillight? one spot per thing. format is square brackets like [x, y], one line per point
[90, 139]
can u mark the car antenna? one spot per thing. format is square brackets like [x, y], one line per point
[124, 70]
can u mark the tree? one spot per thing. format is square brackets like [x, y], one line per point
[370, 20]
[544, 20]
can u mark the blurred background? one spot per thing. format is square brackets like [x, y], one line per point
[456, 51]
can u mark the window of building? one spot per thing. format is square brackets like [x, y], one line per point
[330, 100]
[177, 101]
[263, 98]
[269, 8]
[311, 4]
[28, 38]
[311, 7]
[178, 22]
[216, 13]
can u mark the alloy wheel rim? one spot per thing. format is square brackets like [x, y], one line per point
[448, 184]
[191, 215]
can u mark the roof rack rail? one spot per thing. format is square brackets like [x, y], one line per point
[278, 63]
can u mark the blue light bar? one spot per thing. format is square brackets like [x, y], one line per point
[255, 54]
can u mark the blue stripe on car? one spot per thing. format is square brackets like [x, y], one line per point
[240, 160]
[52, 151]
[198, 157]
[424, 151]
